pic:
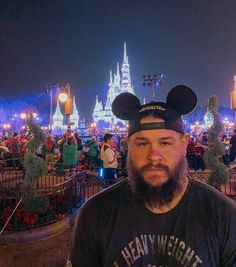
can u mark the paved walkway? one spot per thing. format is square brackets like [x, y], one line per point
[44, 253]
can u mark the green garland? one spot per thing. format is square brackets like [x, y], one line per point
[35, 168]
[213, 157]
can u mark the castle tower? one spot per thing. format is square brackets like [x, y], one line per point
[57, 118]
[126, 80]
[98, 113]
[118, 84]
[107, 111]
[74, 117]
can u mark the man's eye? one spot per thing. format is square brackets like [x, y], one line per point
[141, 144]
[164, 144]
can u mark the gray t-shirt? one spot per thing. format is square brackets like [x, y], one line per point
[112, 230]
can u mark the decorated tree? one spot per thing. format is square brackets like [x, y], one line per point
[35, 167]
[213, 157]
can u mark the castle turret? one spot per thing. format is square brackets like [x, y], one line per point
[111, 80]
[126, 80]
[98, 111]
[57, 118]
[74, 118]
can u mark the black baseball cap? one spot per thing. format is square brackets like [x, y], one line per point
[180, 100]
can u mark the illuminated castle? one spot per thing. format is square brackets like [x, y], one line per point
[118, 84]
[58, 118]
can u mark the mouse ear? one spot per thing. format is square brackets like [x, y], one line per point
[182, 99]
[124, 105]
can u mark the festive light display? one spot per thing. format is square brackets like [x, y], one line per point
[118, 84]
[58, 119]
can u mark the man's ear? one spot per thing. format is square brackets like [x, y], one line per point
[185, 141]
[128, 140]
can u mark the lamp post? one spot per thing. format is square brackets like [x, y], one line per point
[153, 82]
[65, 97]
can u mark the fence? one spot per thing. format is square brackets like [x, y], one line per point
[66, 194]
[228, 189]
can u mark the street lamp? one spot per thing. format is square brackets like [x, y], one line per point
[153, 82]
[65, 97]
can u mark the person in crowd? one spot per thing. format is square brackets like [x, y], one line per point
[226, 156]
[79, 148]
[233, 147]
[4, 151]
[204, 139]
[191, 154]
[23, 144]
[48, 151]
[199, 156]
[70, 152]
[159, 216]
[14, 148]
[109, 159]
[93, 153]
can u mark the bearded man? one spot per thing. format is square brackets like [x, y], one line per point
[159, 216]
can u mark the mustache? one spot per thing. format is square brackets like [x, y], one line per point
[156, 166]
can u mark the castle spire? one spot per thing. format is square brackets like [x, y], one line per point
[74, 116]
[125, 57]
[96, 104]
[118, 71]
[58, 115]
[111, 81]
[75, 111]
[57, 118]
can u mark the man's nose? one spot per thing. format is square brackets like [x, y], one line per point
[155, 153]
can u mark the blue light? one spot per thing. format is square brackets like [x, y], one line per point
[101, 172]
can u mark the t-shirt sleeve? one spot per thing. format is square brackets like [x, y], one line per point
[84, 250]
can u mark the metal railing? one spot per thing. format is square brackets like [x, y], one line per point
[228, 189]
[66, 192]
[64, 198]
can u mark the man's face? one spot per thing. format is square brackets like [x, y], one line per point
[156, 159]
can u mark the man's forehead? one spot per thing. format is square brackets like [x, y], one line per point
[155, 134]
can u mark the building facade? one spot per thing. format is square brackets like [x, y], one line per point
[118, 84]
[59, 123]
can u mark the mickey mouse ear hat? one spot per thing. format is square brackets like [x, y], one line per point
[180, 100]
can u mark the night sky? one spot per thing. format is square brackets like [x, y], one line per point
[192, 42]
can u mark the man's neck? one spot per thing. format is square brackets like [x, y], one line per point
[177, 197]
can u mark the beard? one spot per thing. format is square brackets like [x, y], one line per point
[161, 195]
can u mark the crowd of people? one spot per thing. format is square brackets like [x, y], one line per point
[69, 151]
[108, 151]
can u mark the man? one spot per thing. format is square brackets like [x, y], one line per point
[93, 154]
[109, 158]
[159, 216]
[191, 154]
[48, 151]
[70, 152]
[14, 148]
[79, 148]
[200, 164]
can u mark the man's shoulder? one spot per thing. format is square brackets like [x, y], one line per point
[106, 147]
[210, 196]
[109, 197]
